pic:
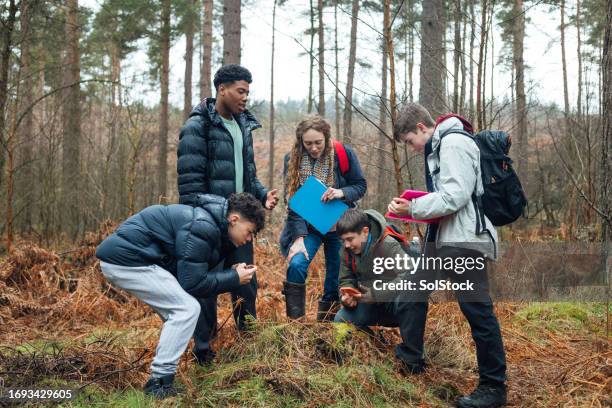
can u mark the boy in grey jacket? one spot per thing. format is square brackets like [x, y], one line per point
[452, 170]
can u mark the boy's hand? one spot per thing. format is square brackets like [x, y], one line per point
[245, 274]
[348, 301]
[399, 206]
[366, 295]
[297, 247]
[272, 199]
[332, 194]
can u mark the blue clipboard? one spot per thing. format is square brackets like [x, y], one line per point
[307, 203]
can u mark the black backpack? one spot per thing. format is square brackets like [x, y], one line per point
[504, 199]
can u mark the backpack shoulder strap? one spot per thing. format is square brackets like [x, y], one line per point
[343, 161]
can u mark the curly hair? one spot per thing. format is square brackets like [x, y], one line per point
[314, 122]
[231, 73]
[248, 207]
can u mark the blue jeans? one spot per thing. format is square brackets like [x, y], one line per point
[297, 272]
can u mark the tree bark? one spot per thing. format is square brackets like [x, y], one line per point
[471, 57]
[392, 95]
[457, 56]
[207, 39]
[579, 97]
[432, 70]
[272, 130]
[162, 167]
[189, 33]
[26, 136]
[337, 84]
[348, 108]
[7, 37]
[231, 32]
[564, 65]
[311, 55]
[382, 123]
[71, 138]
[321, 32]
[521, 100]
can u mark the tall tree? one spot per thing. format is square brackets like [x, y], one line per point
[71, 140]
[337, 72]
[578, 44]
[433, 71]
[272, 130]
[521, 99]
[164, 38]
[311, 56]
[190, 22]
[321, 57]
[207, 40]
[606, 156]
[232, 26]
[348, 108]
[7, 28]
[457, 56]
[564, 65]
[382, 123]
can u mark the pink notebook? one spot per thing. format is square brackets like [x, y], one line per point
[409, 195]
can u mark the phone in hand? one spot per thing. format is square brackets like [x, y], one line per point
[350, 291]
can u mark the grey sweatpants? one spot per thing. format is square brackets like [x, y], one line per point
[179, 310]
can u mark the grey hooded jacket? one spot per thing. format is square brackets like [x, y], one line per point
[458, 161]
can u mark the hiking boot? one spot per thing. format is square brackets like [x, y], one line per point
[485, 396]
[160, 387]
[205, 358]
[295, 299]
[327, 310]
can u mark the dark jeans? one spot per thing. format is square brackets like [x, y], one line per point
[206, 328]
[412, 315]
[368, 314]
[298, 267]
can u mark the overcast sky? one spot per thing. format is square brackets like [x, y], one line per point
[542, 55]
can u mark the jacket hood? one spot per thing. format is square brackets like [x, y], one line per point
[216, 206]
[377, 224]
[207, 110]
[450, 123]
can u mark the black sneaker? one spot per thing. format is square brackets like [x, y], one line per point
[485, 396]
[160, 387]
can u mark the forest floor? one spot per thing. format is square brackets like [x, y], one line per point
[63, 326]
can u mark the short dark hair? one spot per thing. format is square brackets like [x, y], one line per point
[411, 114]
[248, 207]
[231, 73]
[353, 220]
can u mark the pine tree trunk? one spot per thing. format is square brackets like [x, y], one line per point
[162, 164]
[321, 32]
[432, 70]
[231, 32]
[337, 84]
[6, 30]
[311, 54]
[578, 33]
[189, 33]
[463, 67]
[457, 56]
[348, 108]
[382, 123]
[564, 65]
[471, 57]
[207, 40]
[481, 63]
[26, 136]
[71, 139]
[272, 130]
[392, 95]
[521, 100]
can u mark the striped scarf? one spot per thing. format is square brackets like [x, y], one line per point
[322, 168]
